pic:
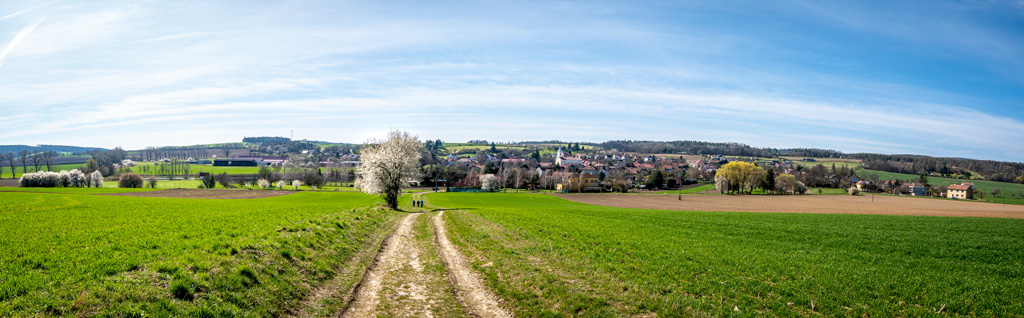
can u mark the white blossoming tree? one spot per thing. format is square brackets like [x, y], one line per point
[96, 179]
[386, 166]
[488, 182]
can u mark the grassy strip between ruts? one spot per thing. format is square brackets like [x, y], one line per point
[558, 258]
[66, 254]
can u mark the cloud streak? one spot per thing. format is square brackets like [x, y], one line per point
[22, 12]
[14, 42]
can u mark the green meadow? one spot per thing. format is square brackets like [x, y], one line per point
[88, 255]
[150, 168]
[6, 171]
[550, 257]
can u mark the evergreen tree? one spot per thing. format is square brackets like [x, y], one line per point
[769, 185]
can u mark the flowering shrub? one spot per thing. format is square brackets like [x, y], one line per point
[50, 179]
[95, 179]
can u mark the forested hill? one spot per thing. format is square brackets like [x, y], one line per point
[54, 148]
[722, 148]
[911, 164]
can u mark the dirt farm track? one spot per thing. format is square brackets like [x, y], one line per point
[829, 204]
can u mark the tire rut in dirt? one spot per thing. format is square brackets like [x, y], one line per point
[477, 298]
[400, 284]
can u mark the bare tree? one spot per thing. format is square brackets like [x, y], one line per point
[519, 179]
[37, 160]
[23, 157]
[48, 157]
[388, 165]
[7, 159]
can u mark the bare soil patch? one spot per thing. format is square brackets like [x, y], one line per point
[11, 183]
[480, 301]
[828, 204]
[205, 194]
[396, 252]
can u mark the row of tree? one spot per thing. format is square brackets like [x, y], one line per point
[745, 177]
[36, 159]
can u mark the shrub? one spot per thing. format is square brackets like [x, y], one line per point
[65, 179]
[152, 182]
[800, 188]
[208, 182]
[721, 184]
[488, 182]
[296, 184]
[130, 180]
[78, 179]
[263, 183]
[853, 191]
[42, 179]
[224, 180]
[313, 179]
[96, 179]
[280, 184]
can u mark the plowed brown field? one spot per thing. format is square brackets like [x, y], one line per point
[834, 204]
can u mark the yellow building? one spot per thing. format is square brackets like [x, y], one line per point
[572, 183]
[960, 191]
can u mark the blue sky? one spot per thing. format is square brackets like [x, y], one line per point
[928, 77]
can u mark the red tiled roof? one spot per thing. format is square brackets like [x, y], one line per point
[961, 187]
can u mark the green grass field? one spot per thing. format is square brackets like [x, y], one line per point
[84, 255]
[105, 189]
[18, 171]
[143, 167]
[549, 257]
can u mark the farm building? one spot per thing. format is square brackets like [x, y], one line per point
[918, 190]
[237, 163]
[960, 191]
[266, 159]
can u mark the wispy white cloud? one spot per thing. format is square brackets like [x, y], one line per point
[18, 38]
[27, 10]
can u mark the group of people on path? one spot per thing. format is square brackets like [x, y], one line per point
[417, 203]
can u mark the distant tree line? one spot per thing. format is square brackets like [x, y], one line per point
[909, 164]
[266, 140]
[60, 149]
[721, 148]
[153, 153]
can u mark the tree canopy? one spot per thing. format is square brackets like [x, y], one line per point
[386, 166]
